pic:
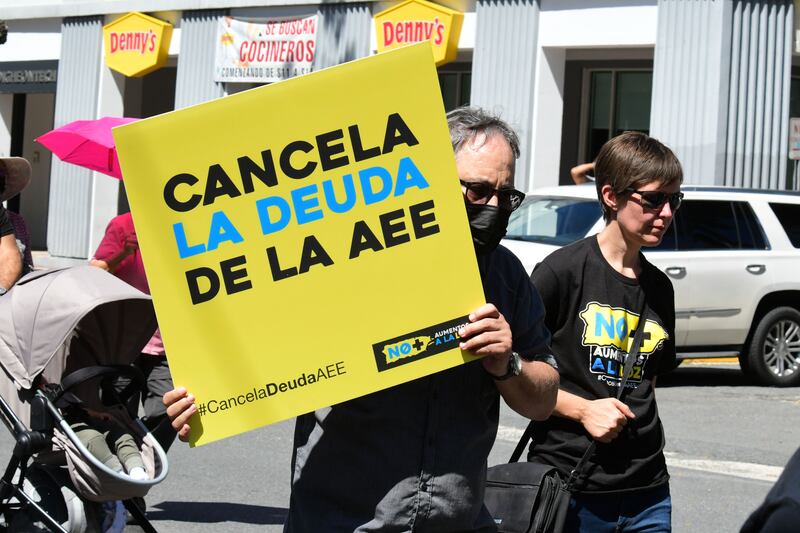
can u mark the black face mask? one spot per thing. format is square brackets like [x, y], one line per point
[488, 225]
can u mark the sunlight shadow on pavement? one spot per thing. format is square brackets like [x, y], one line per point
[211, 512]
[712, 375]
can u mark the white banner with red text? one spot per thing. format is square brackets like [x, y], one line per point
[274, 50]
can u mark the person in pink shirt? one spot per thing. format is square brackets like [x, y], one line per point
[119, 254]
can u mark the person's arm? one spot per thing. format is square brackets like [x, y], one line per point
[10, 262]
[99, 264]
[603, 419]
[112, 263]
[533, 392]
[129, 245]
[580, 173]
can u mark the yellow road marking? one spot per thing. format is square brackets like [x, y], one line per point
[712, 360]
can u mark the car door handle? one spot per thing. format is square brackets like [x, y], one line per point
[676, 272]
[756, 269]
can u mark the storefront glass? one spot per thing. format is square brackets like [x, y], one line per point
[619, 100]
[455, 80]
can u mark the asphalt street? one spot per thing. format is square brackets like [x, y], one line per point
[726, 443]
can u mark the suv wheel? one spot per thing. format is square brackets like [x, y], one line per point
[774, 353]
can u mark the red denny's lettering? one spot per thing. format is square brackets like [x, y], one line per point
[137, 41]
[413, 31]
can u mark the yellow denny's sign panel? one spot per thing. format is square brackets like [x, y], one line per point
[415, 21]
[305, 242]
[136, 44]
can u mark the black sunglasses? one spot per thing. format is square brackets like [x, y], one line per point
[657, 199]
[481, 193]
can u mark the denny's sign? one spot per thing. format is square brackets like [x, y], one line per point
[415, 21]
[136, 44]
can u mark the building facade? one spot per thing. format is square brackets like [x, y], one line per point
[713, 79]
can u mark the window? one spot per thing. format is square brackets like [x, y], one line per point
[716, 225]
[455, 81]
[789, 217]
[793, 169]
[553, 220]
[667, 243]
[618, 101]
[751, 236]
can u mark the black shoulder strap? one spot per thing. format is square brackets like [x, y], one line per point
[633, 355]
[576, 472]
[522, 444]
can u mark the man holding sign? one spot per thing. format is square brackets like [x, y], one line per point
[413, 457]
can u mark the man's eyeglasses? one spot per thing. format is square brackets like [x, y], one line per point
[481, 193]
[657, 199]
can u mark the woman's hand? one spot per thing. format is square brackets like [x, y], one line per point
[604, 419]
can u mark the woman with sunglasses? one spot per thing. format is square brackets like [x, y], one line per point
[595, 292]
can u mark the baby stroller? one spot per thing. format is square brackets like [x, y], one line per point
[66, 336]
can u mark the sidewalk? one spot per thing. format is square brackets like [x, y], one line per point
[42, 260]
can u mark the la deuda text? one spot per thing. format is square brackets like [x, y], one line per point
[183, 193]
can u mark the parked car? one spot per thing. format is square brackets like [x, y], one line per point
[733, 257]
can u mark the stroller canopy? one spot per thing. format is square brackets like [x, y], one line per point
[40, 312]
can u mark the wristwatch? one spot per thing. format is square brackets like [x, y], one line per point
[514, 368]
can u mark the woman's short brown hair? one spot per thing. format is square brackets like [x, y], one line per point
[631, 160]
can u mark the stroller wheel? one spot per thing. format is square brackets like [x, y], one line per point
[49, 488]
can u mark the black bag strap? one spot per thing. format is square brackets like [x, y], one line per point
[576, 472]
[629, 360]
[522, 444]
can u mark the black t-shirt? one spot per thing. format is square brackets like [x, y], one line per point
[506, 285]
[5, 224]
[592, 312]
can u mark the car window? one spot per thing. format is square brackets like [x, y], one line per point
[751, 235]
[789, 217]
[667, 241]
[706, 225]
[553, 220]
[718, 225]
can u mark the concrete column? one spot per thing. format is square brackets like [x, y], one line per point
[503, 68]
[105, 189]
[548, 113]
[721, 78]
[71, 187]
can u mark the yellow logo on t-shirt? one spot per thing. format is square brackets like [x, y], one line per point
[608, 333]
[614, 326]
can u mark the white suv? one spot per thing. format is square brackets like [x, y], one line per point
[733, 256]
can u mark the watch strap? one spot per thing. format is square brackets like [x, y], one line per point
[514, 368]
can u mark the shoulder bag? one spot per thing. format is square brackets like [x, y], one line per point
[525, 497]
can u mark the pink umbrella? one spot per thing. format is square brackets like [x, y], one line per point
[87, 143]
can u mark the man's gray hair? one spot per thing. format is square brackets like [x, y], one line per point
[466, 123]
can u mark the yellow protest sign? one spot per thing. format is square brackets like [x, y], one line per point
[305, 242]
